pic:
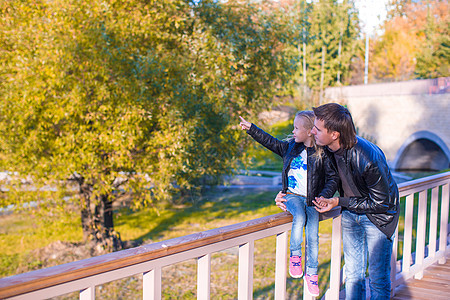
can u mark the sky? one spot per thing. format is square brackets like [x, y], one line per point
[372, 14]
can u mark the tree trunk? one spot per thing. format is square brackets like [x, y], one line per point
[304, 68]
[87, 219]
[97, 221]
[104, 225]
[339, 58]
[106, 213]
[366, 61]
[322, 74]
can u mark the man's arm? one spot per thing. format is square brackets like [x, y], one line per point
[325, 204]
[377, 200]
[331, 178]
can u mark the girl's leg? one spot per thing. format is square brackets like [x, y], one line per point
[296, 206]
[312, 240]
[312, 250]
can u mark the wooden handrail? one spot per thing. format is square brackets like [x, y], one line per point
[419, 184]
[39, 279]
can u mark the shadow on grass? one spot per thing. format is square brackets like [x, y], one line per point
[211, 208]
[294, 287]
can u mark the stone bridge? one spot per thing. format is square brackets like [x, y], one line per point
[409, 121]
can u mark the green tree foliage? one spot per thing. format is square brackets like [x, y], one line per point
[135, 96]
[298, 13]
[329, 30]
[336, 29]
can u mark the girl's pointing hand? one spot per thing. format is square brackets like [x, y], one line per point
[244, 124]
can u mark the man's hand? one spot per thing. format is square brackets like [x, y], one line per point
[244, 124]
[279, 201]
[323, 204]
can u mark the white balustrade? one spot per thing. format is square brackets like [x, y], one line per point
[148, 260]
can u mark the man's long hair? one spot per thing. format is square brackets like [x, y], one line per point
[337, 118]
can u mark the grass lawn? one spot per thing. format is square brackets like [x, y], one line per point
[30, 242]
[24, 235]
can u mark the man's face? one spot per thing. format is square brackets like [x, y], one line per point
[321, 134]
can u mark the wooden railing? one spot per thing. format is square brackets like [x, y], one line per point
[407, 267]
[148, 260]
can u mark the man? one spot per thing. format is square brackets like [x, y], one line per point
[368, 198]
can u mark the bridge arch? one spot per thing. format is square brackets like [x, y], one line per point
[423, 150]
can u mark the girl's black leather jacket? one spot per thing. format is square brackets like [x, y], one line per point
[322, 175]
[379, 198]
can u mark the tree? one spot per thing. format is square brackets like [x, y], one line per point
[394, 52]
[325, 38]
[433, 59]
[129, 96]
[415, 42]
[334, 30]
[298, 12]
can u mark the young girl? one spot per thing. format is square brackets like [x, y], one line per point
[307, 173]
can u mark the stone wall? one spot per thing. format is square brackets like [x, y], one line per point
[394, 114]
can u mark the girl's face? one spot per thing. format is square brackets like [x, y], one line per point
[301, 134]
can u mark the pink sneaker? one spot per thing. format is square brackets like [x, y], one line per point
[312, 281]
[295, 266]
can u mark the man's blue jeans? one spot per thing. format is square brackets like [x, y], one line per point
[363, 240]
[302, 214]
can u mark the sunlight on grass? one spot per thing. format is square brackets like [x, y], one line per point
[23, 232]
[147, 226]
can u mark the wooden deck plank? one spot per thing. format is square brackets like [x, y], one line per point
[435, 284]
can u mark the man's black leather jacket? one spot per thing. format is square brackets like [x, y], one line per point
[379, 193]
[322, 175]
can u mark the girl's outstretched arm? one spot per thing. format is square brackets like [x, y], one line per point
[265, 139]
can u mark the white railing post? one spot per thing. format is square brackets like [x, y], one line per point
[444, 222]
[335, 265]
[306, 294]
[394, 261]
[421, 229]
[245, 281]
[433, 222]
[204, 277]
[88, 294]
[280, 266]
[151, 284]
[407, 233]
[83, 276]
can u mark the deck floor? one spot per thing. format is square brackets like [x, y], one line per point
[435, 284]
